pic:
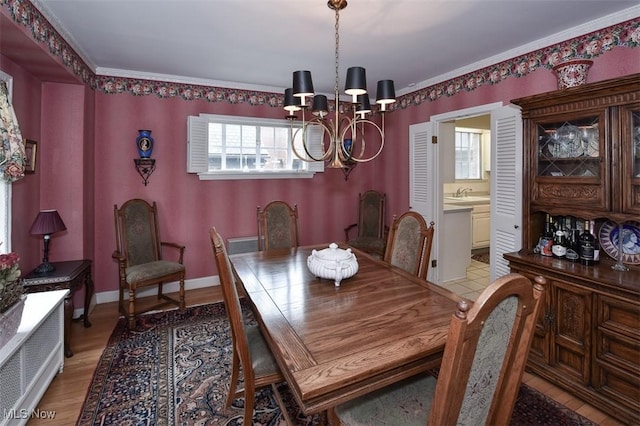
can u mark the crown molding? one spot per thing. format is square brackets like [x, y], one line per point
[167, 78]
[42, 7]
[580, 30]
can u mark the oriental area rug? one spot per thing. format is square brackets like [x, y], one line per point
[481, 256]
[174, 368]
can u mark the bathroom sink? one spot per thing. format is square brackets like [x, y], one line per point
[468, 200]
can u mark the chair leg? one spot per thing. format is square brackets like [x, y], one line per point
[233, 384]
[249, 400]
[182, 303]
[121, 301]
[132, 307]
[332, 417]
[283, 408]
[160, 290]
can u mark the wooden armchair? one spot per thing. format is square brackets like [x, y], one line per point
[372, 231]
[484, 358]
[139, 256]
[277, 226]
[409, 244]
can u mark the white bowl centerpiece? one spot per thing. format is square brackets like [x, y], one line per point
[333, 263]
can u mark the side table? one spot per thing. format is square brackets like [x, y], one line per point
[71, 275]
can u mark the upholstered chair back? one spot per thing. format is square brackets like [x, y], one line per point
[372, 211]
[277, 226]
[406, 243]
[139, 239]
[486, 350]
[372, 230]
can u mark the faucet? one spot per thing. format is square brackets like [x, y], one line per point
[462, 192]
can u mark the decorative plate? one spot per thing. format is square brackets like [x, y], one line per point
[591, 146]
[569, 142]
[609, 240]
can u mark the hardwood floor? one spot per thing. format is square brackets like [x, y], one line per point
[65, 395]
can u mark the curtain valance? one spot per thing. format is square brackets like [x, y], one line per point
[12, 154]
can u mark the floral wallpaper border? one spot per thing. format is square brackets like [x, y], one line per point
[625, 34]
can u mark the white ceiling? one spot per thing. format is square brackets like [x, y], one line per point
[257, 44]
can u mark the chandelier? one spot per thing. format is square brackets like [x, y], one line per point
[339, 140]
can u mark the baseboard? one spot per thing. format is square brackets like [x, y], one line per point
[171, 287]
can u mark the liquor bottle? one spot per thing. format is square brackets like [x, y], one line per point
[559, 248]
[569, 225]
[546, 241]
[573, 250]
[586, 245]
[596, 243]
[573, 240]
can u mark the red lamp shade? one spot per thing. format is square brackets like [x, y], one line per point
[47, 222]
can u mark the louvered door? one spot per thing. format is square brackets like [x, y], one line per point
[506, 187]
[422, 194]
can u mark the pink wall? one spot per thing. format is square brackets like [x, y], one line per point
[27, 101]
[62, 178]
[326, 203]
[188, 207]
[85, 166]
[394, 175]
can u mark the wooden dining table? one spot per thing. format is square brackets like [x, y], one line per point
[334, 344]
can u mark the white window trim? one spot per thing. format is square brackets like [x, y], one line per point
[240, 175]
[5, 190]
[196, 152]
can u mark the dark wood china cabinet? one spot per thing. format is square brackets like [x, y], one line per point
[582, 163]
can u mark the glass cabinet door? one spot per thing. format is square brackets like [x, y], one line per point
[570, 148]
[635, 154]
[630, 120]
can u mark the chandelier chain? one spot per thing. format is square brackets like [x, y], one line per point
[336, 87]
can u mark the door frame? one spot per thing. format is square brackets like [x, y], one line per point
[435, 121]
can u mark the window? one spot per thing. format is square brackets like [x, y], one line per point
[229, 147]
[468, 154]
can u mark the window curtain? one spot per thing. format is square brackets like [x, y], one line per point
[12, 154]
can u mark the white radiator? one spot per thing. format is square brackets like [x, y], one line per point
[242, 245]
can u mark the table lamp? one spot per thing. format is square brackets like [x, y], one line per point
[47, 222]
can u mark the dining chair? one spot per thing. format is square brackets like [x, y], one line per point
[428, 243]
[250, 350]
[277, 226]
[409, 243]
[484, 358]
[139, 256]
[371, 237]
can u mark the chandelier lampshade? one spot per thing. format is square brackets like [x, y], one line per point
[356, 83]
[342, 139]
[291, 103]
[302, 84]
[364, 105]
[386, 93]
[320, 106]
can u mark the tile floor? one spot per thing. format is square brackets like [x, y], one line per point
[476, 281]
